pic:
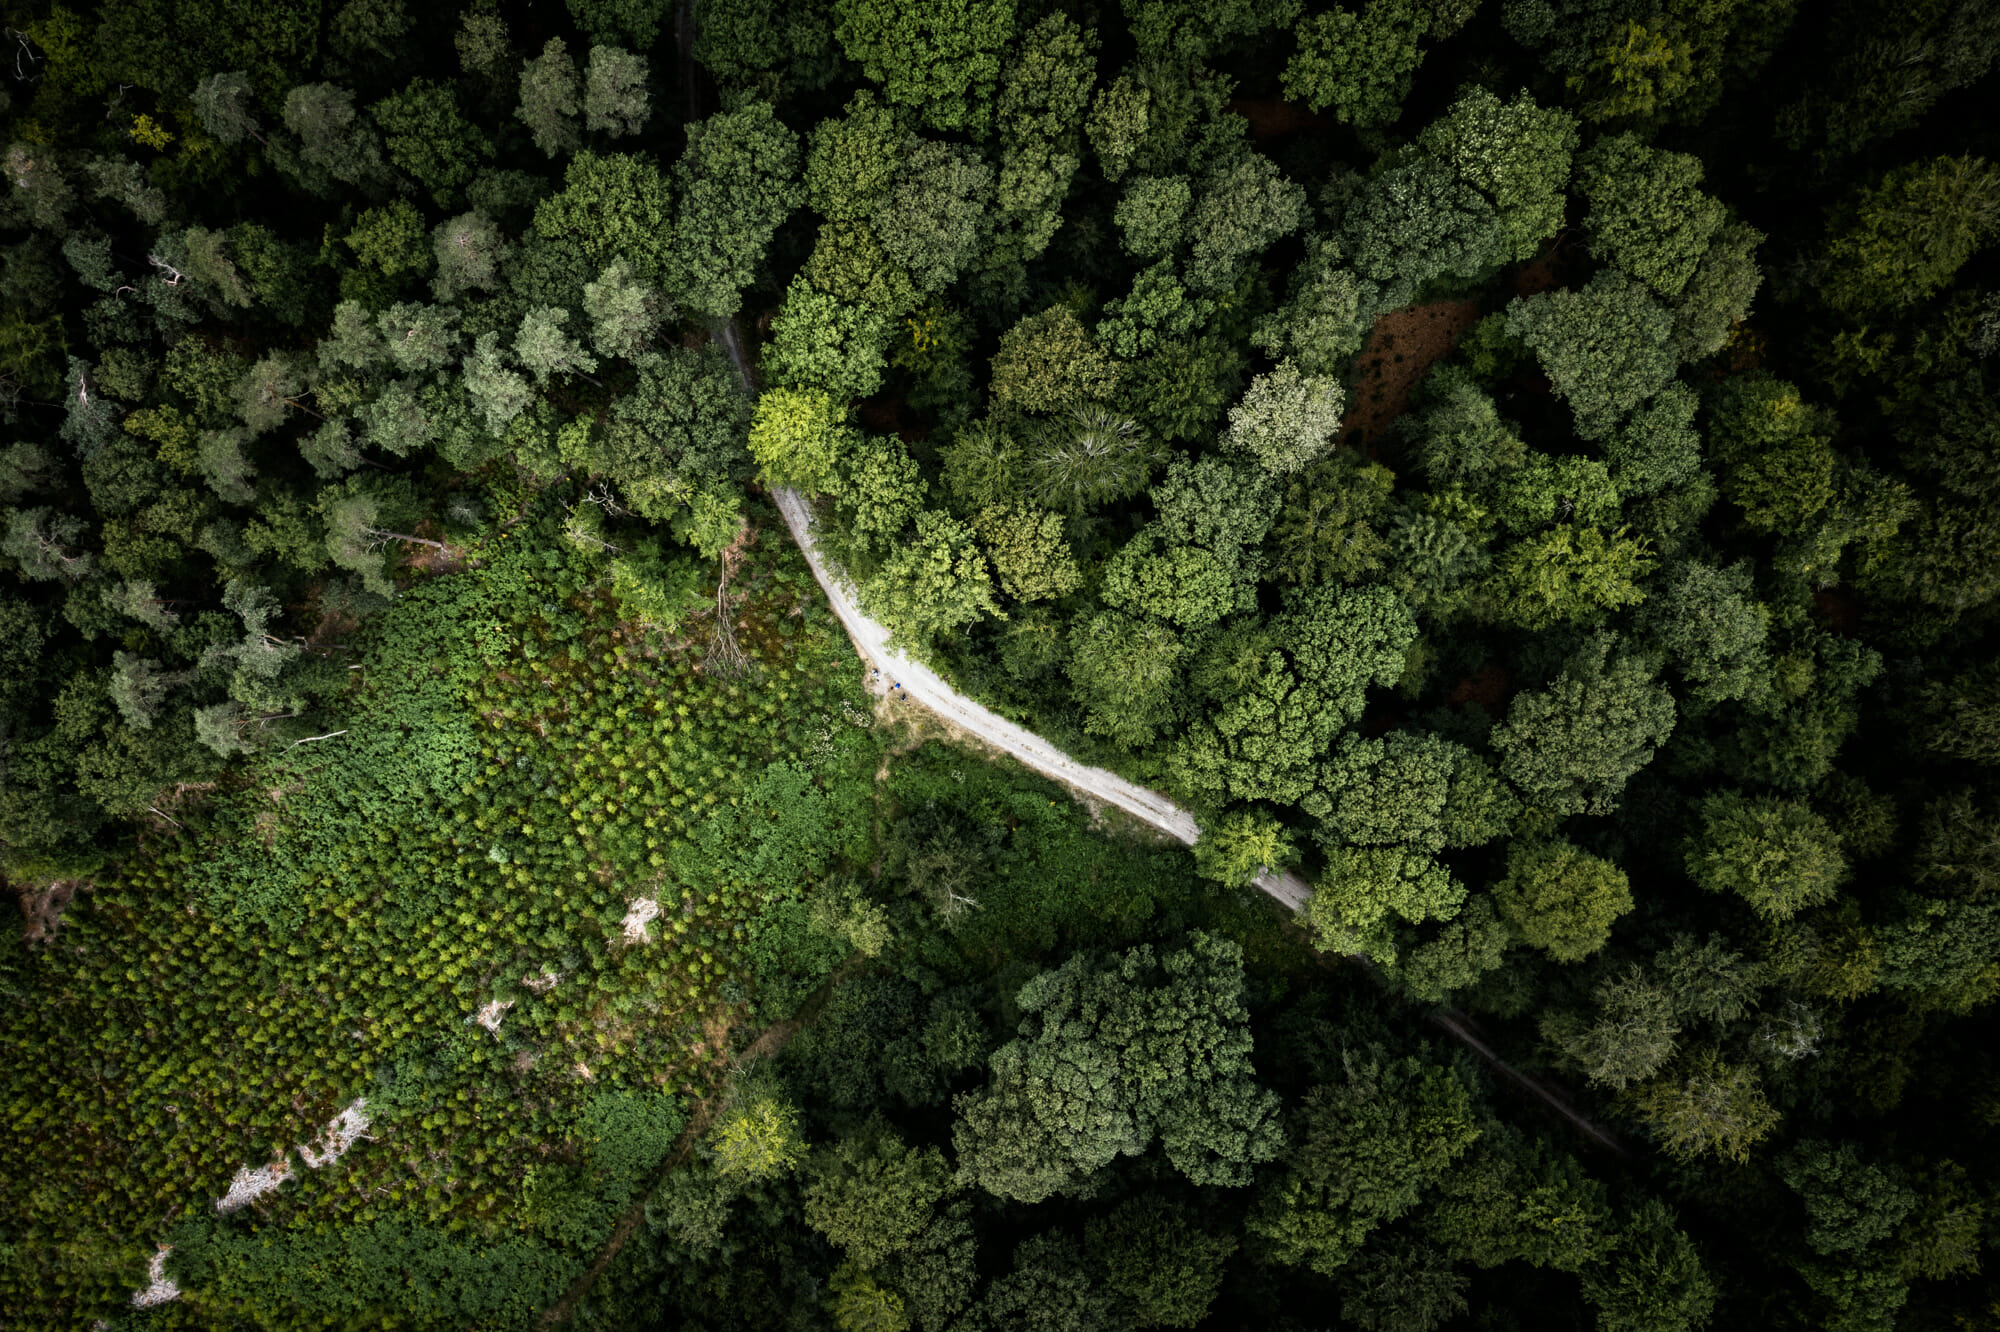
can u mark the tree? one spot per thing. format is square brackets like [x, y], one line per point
[1717, 296]
[757, 1138]
[1357, 64]
[935, 585]
[796, 436]
[46, 546]
[1904, 238]
[1048, 362]
[139, 687]
[1112, 1056]
[682, 425]
[1567, 574]
[1240, 845]
[1391, 791]
[1962, 715]
[1631, 1037]
[1653, 1280]
[223, 103]
[1605, 347]
[1712, 628]
[419, 338]
[1245, 206]
[611, 204]
[390, 240]
[1030, 556]
[1776, 854]
[1774, 450]
[549, 104]
[1647, 212]
[471, 253]
[1327, 313]
[1050, 1288]
[1470, 944]
[624, 311]
[636, 22]
[1125, 671]
[822, 343]
[1710, 1108]
[496, 391]
[1516, 155]
[1657, 447]
[1363, 1151]
[872, 1194]
[1456, 432]
[427, 136]
[1407, 1289]
[1851, 1204]
[1265, 738]
[929, 220]
[1088, 457]
[335, 142]
[881, 491]
[1570, 748]
[1418, 221]
[737, 184]
[1152, 215]
[1561, 899]
[1364, 886]
[1153, 1251]
[1178, 33]
[1287, 419]
[942, 60]
[854, 159]
[614, 92]
[1329, 528]
[547, 350]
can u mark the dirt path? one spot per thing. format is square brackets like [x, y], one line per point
[1454, 1024]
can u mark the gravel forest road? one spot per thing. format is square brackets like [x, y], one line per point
[923, 685]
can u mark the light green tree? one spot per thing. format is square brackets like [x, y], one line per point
[1031, 558]
[1778, 855]
[943, 60]
[1287, 419]
[614, 92]
[1570, 748]
[1560, 898]
[936, 584]
[549, 104]
[1359, 65]
[797, 436]
[1242, 844]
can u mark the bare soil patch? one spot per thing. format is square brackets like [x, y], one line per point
[1271, 118]
[1401, 349]
[42, 907]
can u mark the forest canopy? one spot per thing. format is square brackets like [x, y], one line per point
[1518, 475]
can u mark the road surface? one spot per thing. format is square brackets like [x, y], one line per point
[922, 685]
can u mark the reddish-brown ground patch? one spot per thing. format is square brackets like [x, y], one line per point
[1557, 264]
[1401, 349]
[1843, 615]
[884, 416]
[1486, 689]
[1271, 118]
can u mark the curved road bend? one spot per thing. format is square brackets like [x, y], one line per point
[921, 683]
